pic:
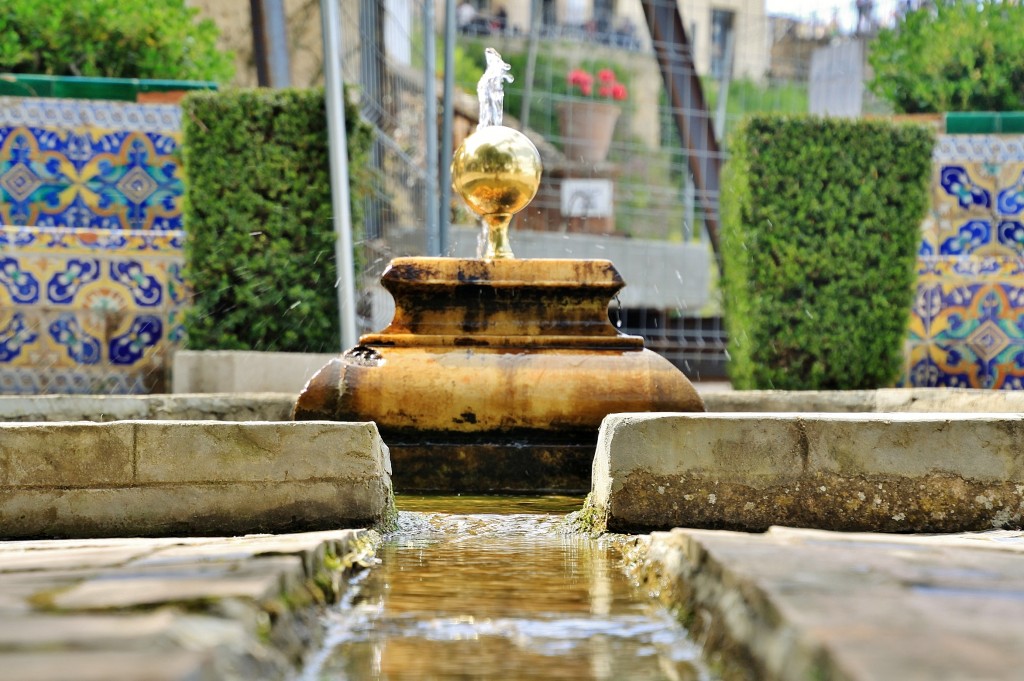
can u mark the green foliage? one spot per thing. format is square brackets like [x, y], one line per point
[550, 84]
[260, 246]
[110, 38]
[958, 56]
[820, 226]
[747, 97]
[468, 68]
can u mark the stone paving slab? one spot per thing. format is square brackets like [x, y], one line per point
[43, 631]
[236, 549]
[257, 581]
[104, 665]
[169, 608]
[806, 604]
[895, 472]
[18, 588]
[18, 558]
[132, 478]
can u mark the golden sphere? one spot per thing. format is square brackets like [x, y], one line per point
[496, 170]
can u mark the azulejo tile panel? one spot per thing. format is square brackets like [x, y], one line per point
[101, 179]
[957, 365]
[91, 292]
[98, 311]
[967, 322]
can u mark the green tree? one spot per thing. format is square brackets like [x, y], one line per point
[110, 38]
[958, 56]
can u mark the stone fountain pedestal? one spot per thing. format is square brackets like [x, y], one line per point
[495, 375]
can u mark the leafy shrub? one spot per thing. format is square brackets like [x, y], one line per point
[956, 56]
[820, 226]
[468, 68]
[110, 38]
[260, 245]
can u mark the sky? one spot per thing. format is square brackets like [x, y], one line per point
[824, 9]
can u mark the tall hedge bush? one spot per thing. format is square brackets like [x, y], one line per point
[820, 227]
[260, 240]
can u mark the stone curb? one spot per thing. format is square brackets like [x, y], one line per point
[175, 609]
[871, 472]
[103, 408]
[276, 406]
[131, 478]
[797, 604]
[917, 400]
[243, 371]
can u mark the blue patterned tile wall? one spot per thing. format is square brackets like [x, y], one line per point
[91, 294]
[967, 325]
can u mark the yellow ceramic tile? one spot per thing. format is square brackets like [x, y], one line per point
[1009, 198]
[964, 190]
[964, 235]
[929, 235]
[950, 365]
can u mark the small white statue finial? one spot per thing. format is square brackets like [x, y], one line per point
[490, 89]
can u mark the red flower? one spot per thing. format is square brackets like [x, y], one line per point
[580, 78]
[608, 88]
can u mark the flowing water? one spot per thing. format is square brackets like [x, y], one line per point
[495, 588]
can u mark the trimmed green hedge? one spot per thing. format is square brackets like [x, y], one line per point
[820, 227]
[260, 239]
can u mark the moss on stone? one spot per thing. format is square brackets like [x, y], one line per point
[589, 520]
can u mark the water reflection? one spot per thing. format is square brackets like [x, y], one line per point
[501, 596]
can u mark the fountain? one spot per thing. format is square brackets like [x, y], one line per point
[496, 372]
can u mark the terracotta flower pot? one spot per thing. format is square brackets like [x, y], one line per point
[587, 127]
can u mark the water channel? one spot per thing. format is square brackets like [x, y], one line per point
[475, 588]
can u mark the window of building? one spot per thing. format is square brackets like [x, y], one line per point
[722, 21]
[604, 10]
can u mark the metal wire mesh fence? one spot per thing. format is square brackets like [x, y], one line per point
[631, 105]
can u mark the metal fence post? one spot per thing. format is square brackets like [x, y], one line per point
[337, 138]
